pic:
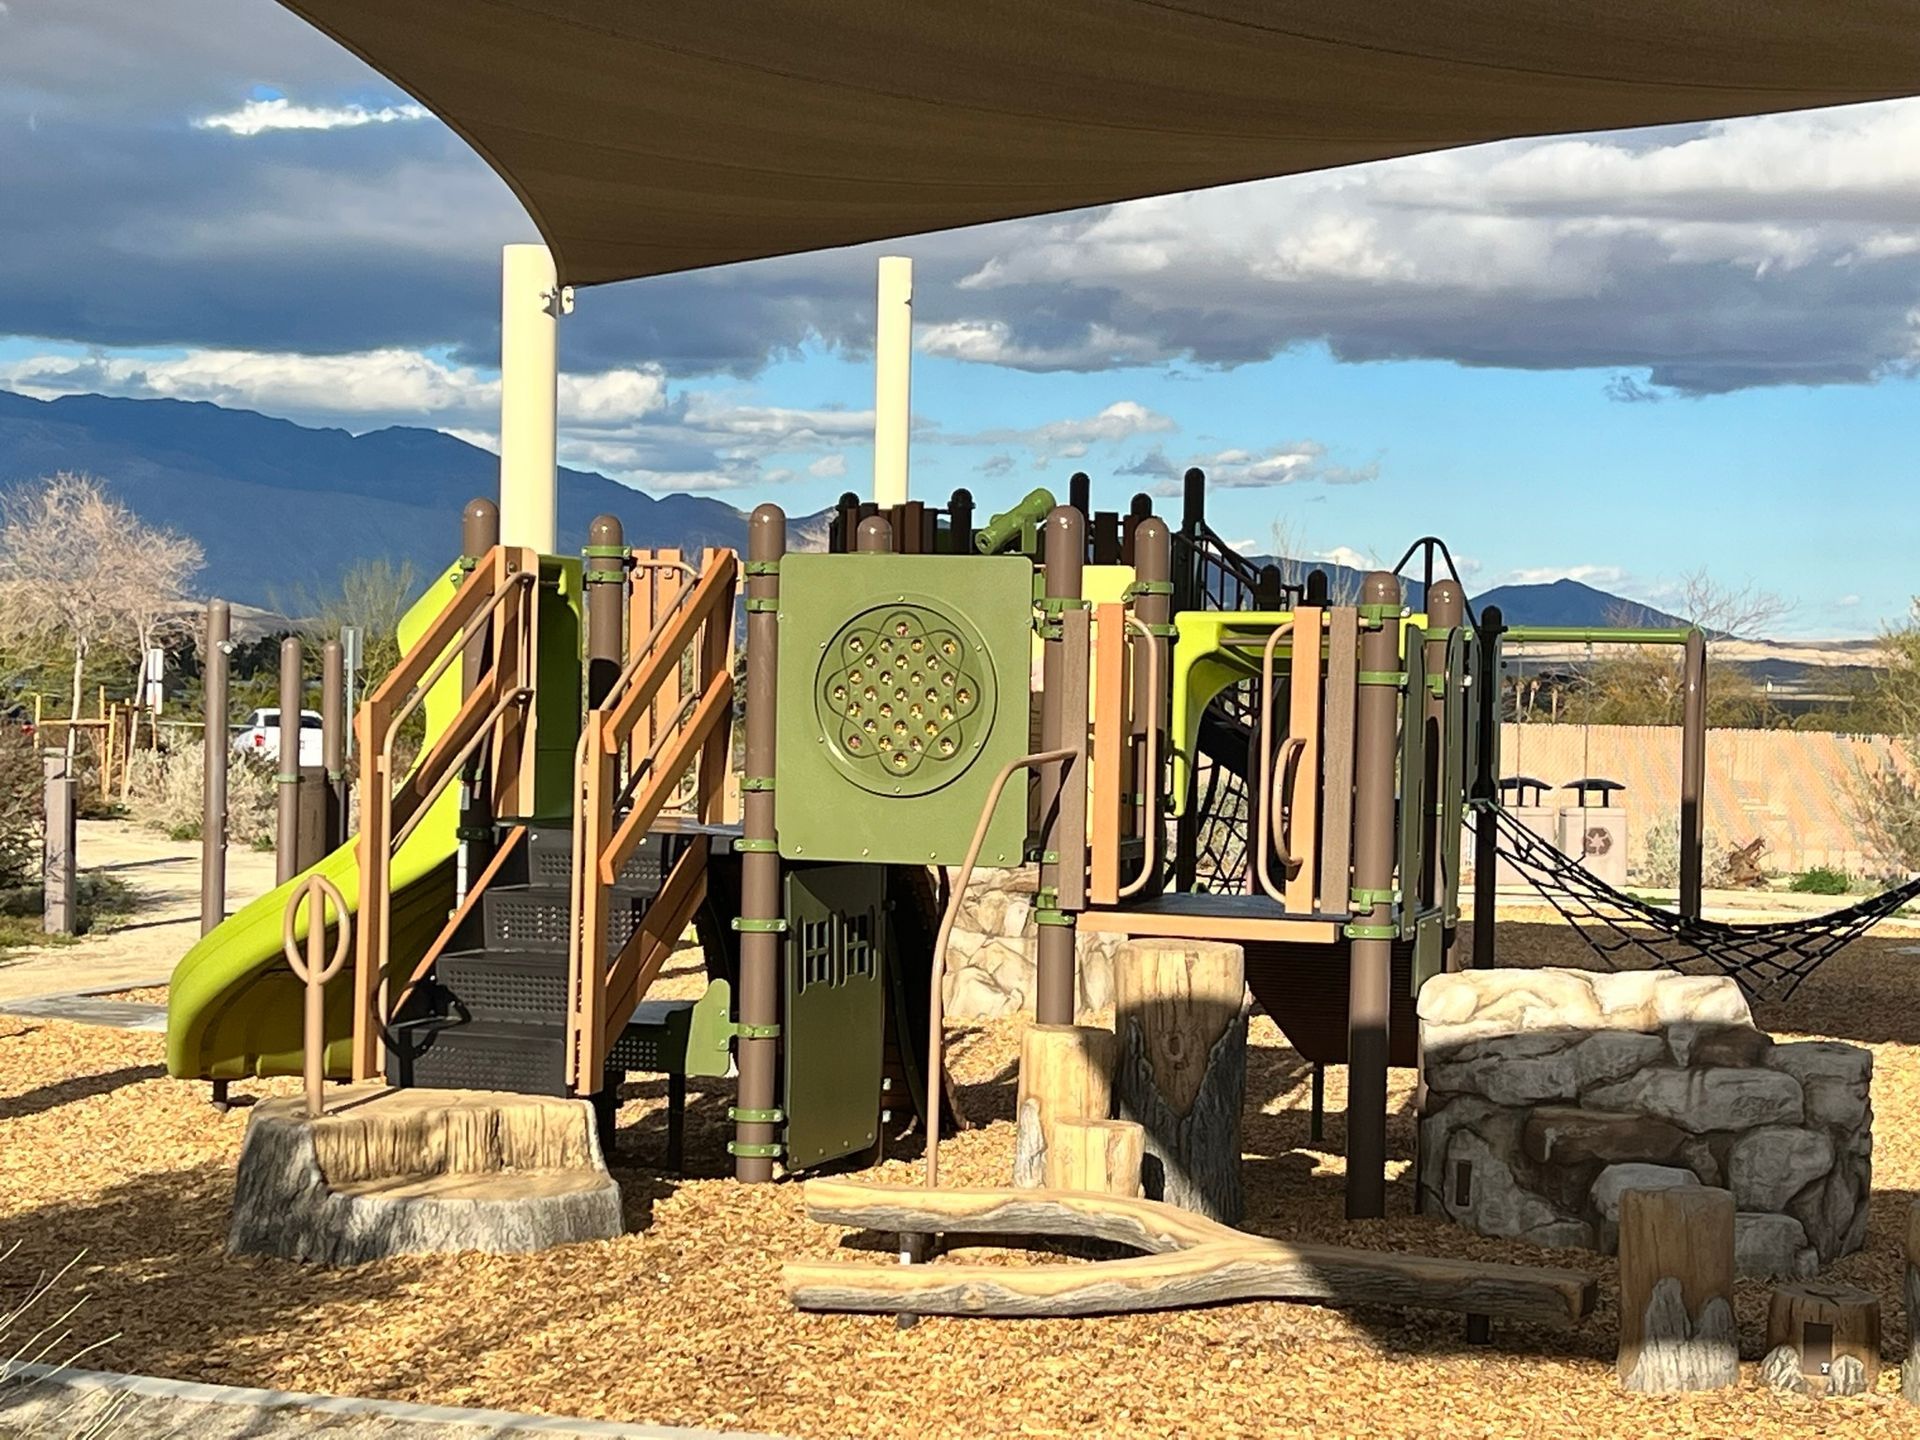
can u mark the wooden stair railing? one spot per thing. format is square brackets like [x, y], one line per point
[494, 612]
[634, 753]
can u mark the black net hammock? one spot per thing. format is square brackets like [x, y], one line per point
[1767, 960]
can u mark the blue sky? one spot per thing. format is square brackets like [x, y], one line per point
[1620, 358]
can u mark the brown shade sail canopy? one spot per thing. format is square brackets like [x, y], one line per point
[648, 137]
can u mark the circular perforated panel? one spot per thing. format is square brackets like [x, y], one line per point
[905, 696]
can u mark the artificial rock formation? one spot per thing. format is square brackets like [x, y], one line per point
[990, 955]
[1551, 1092]
[394, 1172]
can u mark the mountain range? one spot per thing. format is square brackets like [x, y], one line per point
[282, 510]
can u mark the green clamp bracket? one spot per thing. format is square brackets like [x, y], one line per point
[1163, 632]
[1372, 617]
[762, 567]
[761, 783]
[772, 1150]
[1046, 898]
[1437, 686]
[752, 845]
[1371, 932]
[1051, 917]
[603, 577]
[762, 605]
[1395, 678]
[1060, 604]
[757, 1032]
[1146, 587]
[1365, 899]
[473, 832]
[748, 926]
[467, 564]
[742, 1115]
[285, 779]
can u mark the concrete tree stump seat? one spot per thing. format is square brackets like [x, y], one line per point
[394, 1172]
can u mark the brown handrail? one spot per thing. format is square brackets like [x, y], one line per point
[936, 1010]
[1150, 801]
[313, 971]
[603, 847]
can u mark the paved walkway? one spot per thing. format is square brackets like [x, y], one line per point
[85, 1402]
[140, 950]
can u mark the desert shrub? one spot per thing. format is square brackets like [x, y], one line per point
[20, 793]
[1821, 880]
[1659, 864]
[1885, 801]
[166, 794]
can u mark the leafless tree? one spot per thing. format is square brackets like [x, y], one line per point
[79, 568]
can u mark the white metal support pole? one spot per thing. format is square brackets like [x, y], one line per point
[892, 380]
[531, 303]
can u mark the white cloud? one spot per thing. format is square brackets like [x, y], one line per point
[1344, 555]
[828, 467]
[1298, 463]
[1596, 575]
[1072, 439]
[994, 342]
[1847, 602]
[258, 117]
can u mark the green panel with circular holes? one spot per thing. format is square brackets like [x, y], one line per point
[903, 690]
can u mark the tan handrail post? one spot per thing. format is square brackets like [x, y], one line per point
[314, 970]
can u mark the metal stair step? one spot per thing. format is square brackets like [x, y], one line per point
[507, 986]
[530, 917]
[486, 1055]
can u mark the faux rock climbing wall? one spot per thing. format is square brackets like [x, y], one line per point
[1551, 1092]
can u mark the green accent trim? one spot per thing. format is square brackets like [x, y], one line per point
[1059, 604]
[762, 567]
[604, 577]
[1372, 617]
[1365, 898]
[1437, 686]
[1371, 932]
[749, 845]
[1163, 632]
[1046, 898]
[1395, 678]
[772, 1150]
[742, 1115]
[1146, 587]
[757, 1032]
[756, 782]
[1595, 635]
[747, 925]
[467, 564]
[762, 604]
[604, 552]
[285, 779]
[1051, 917]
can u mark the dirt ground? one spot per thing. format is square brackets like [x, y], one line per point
[681, 1320]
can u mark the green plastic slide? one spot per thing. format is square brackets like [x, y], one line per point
[235, 1009]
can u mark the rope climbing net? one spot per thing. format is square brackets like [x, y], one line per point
[1767, 960]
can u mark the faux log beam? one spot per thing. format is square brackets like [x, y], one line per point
[1066, 1073]
[1910, 1295]
[1676, 1290]
[1102, 1156]
[1195, 1262]
[1180, 1072]
[1822, 1337]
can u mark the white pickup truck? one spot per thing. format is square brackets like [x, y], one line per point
[260, 735]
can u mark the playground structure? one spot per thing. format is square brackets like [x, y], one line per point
[518, 890]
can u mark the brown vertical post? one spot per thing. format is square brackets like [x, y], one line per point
[1153, 572]
[874, 537]
[1064, 547]
[605, 578]
[333, 740]
[286, 854]
[1319, 590]
[846, 518]
[754, 1142]
[1486, 786]
[1693, 772]
[960, 521]
[215, 754]
[1372, 932]
[1193, 501]
[59, 871]
[479, 533]
[911, 531]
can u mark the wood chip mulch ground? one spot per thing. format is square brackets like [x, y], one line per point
[682, 1322]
